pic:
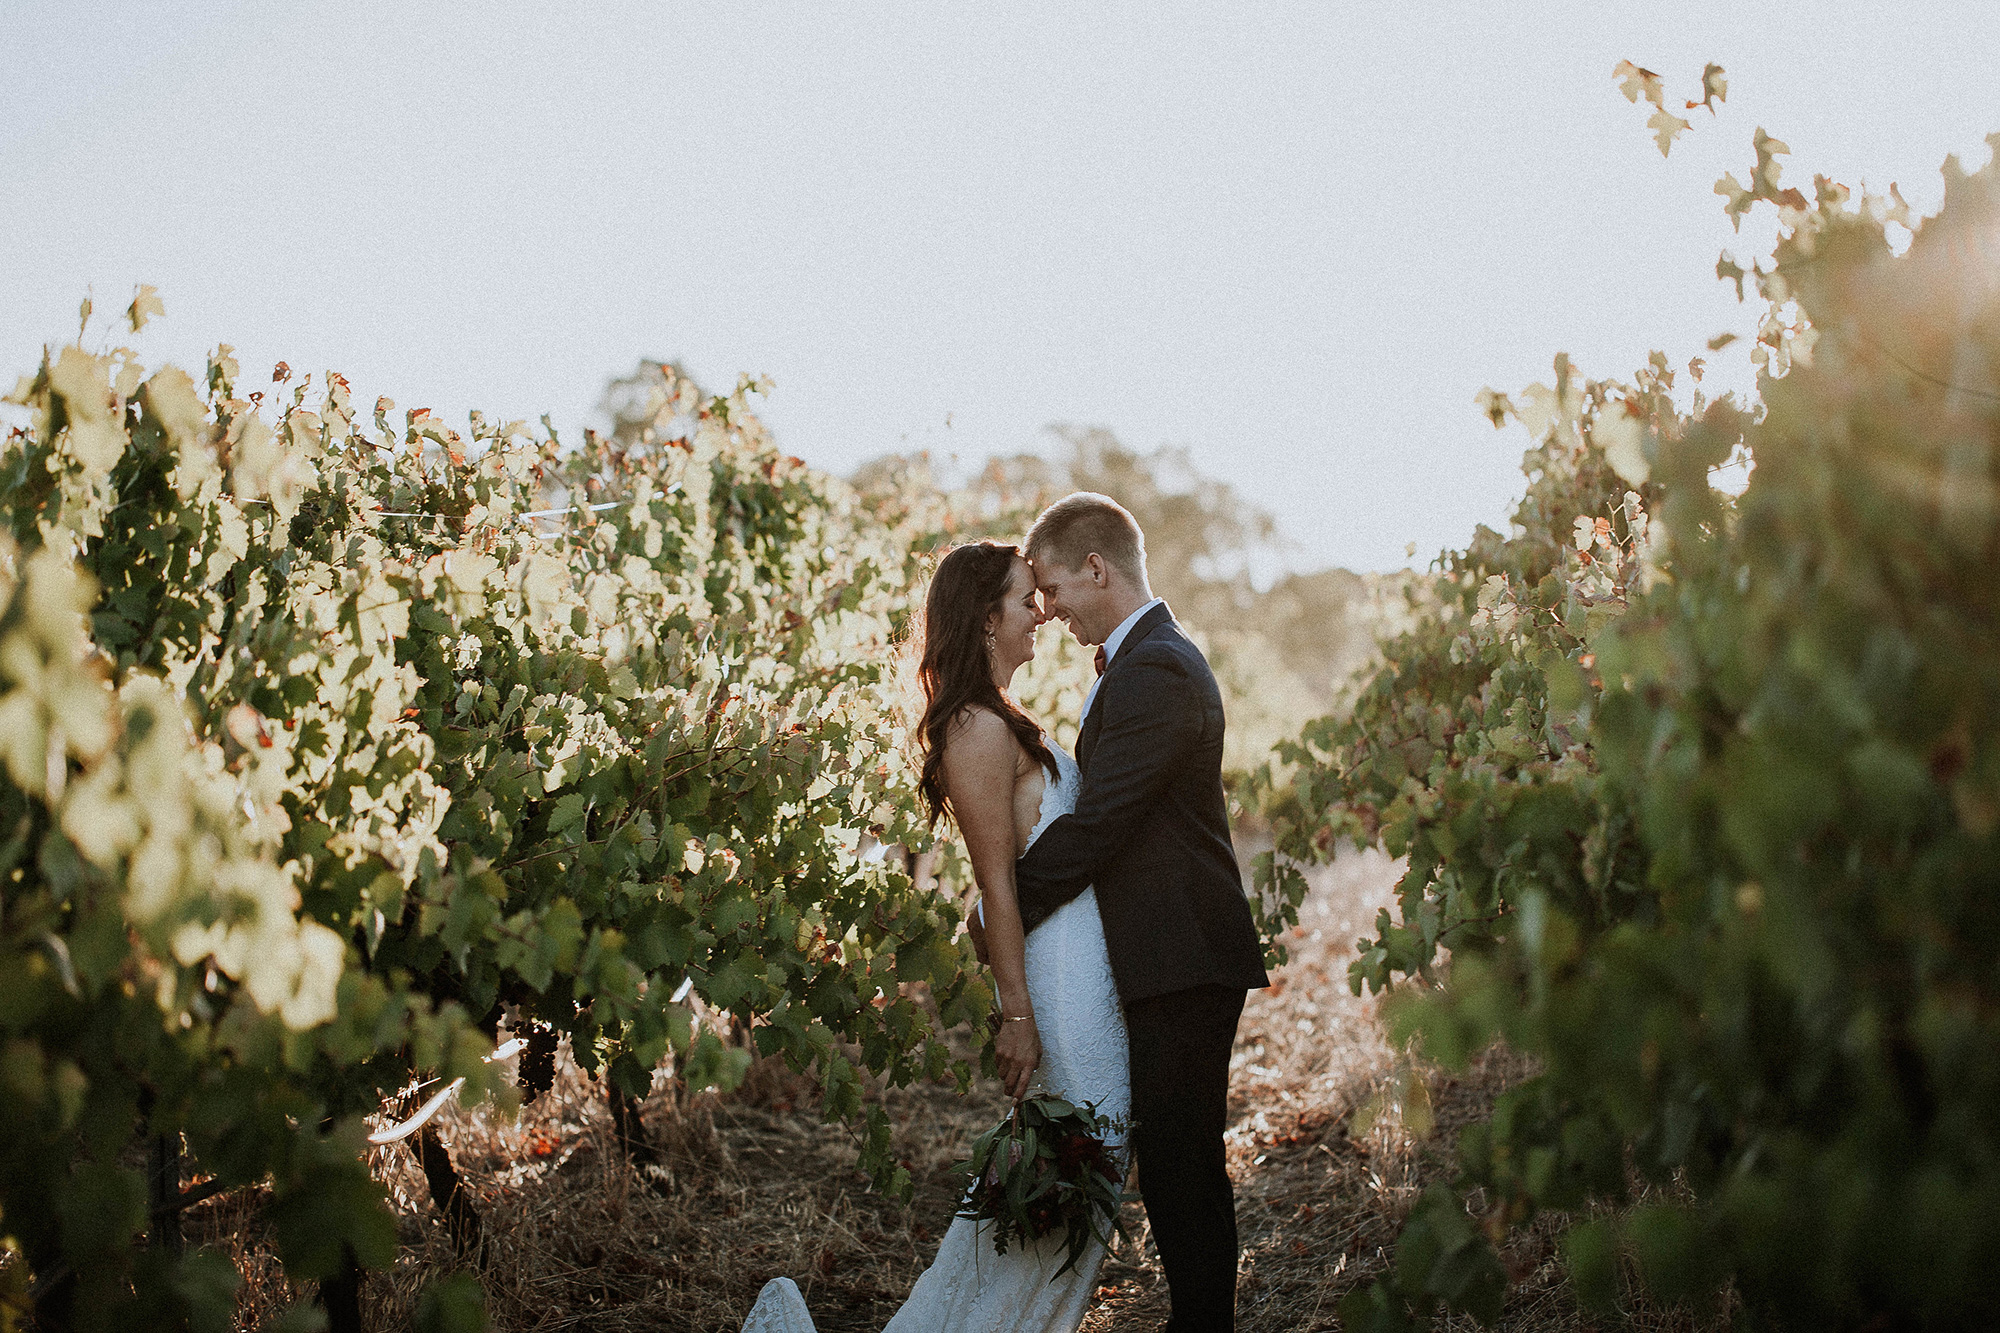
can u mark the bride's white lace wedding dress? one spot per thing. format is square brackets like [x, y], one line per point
[968, 1288]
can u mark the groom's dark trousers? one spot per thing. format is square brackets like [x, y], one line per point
[1151, 833]
[1180, 1105]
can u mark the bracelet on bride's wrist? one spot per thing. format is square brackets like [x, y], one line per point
[1018, 1018]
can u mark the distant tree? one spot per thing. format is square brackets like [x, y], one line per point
[1204, 540]
[633, 403]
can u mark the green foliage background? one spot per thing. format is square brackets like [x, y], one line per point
[1701, 796]
[324, 756]
[328, 750]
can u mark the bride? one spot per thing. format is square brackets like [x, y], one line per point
[987, 765]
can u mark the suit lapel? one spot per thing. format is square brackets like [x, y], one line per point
[1086, 741]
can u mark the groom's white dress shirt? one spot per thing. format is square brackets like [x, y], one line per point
[1113, 643]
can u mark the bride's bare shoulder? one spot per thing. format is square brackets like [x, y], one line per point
[978, 735]
[977, 727]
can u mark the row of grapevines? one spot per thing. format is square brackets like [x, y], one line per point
[328, 748]
[1702, 797]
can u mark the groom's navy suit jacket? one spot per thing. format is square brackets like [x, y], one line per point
[1151, 826]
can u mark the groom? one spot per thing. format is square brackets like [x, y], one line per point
[1151, 832]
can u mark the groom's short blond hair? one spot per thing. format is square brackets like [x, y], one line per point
[1078, 525]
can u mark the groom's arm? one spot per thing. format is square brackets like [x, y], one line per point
[1151, 720]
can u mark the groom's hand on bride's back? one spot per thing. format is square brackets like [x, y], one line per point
[977, 931]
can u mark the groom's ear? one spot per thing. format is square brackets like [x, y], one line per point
[1100, 572]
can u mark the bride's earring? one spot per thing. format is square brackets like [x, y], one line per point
[992, 644]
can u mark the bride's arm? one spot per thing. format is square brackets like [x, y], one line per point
[979, 758]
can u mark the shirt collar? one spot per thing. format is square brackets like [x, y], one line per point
[1116, 640]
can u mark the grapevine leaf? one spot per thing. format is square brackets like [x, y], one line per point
[1635, 83]
[1714, 87]
[1666, 127]
[145, 305]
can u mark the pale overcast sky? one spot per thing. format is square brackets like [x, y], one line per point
[1296, 238]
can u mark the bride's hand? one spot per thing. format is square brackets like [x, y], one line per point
[1019, 1051]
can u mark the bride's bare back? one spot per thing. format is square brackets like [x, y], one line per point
[1030, 781]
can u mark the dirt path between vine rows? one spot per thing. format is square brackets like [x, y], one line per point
[1331, 1141]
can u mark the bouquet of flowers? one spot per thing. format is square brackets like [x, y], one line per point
[1047, 1169]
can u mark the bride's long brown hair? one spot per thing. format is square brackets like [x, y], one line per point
[969, 583]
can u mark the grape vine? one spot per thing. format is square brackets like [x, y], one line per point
[1701, 796]
[328, 749]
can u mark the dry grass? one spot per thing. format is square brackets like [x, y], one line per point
[1327, 1157]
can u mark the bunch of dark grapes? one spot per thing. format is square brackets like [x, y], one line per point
[538, 1063]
